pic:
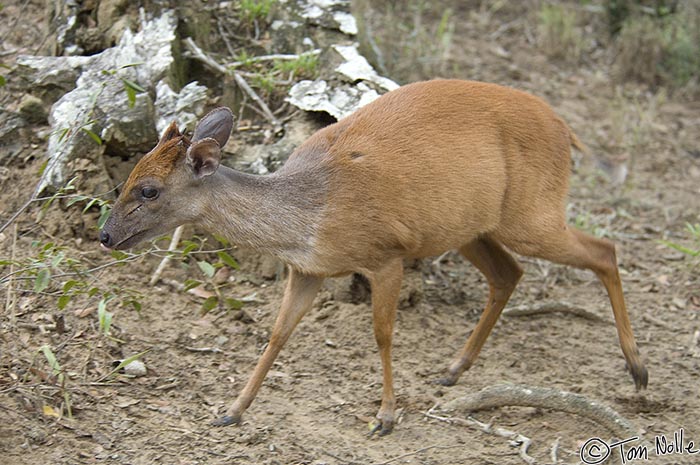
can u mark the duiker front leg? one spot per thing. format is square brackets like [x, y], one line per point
[386, 284]
[298, 297]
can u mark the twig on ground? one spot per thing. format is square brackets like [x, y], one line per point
[436, 268]
[503, 395]
[177, 234]
[657, 322]
[416, 452]
[516, 438]
[17, 213]
[551, 307]
[553, 453]
[215, 350]
[10, 300]
[340, 459]
[199, 54]
[229, 47]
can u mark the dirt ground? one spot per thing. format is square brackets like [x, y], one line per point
[315, 404]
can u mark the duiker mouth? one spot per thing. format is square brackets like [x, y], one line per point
[126, 243]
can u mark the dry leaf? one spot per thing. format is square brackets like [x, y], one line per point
[82, 313]
[50, 412]
[128, 403]
[200, 291]
[222, 275]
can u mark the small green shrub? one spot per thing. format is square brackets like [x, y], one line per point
[306, 66]
[255, 10]
[559, 36]
[660, 48]
[405, 40]
[690, 250]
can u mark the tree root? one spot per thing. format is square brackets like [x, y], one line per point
[551, 307]
[526, 396]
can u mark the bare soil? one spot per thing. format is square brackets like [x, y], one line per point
[315, 405]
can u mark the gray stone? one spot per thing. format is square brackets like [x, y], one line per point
[12, 127]
[50, 77]
[100, 105]
[262, 159]
[33, 109]
[331, 14]
[183, 107]
[339, 99]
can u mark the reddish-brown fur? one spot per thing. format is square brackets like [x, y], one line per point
[430, 167]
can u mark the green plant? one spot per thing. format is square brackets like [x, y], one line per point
[660, 47]
[305, 66]
[408, 41]
[104, 317]
[585, 222]
[254, 10]
[121, 365]
[693, 250]
[559, 36]
[244, 60]
[57, 373]
[209, 269]
[55, 272]
[130, 87]
[619, 11]
[264, 82]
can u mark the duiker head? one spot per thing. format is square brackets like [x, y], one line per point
[161, 191]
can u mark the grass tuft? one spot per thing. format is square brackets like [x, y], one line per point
[559, 36]
[660, 48]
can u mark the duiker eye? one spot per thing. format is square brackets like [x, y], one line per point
[149, 192]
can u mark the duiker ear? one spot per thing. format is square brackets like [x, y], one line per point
[170, 132]
[203, 157]
[216, 124]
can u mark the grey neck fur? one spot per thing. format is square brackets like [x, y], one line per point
[277, 213]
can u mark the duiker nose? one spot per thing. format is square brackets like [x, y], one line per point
[105, 238]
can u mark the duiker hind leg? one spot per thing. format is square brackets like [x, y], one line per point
[502, 273]
[570, 246]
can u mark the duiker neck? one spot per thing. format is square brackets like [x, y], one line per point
[278, 213]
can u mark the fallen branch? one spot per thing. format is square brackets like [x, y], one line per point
[516, 439]
[503, 395]
[551, 307]
[177, 234]
[199, 54]
[277, 126]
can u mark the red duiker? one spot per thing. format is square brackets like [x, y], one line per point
[429, 167]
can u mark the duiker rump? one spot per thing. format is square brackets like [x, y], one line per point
[429, 167]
